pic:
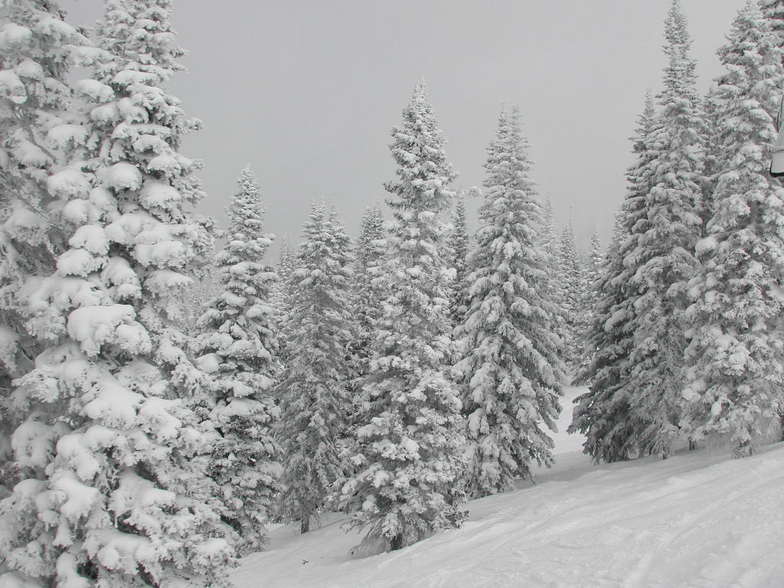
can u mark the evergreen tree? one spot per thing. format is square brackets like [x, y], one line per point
[37, 133]
[713, 154]
[774, 11]
[314, 396]
[238, 347]
[409, 438]
[664, 253]
[281, 293]
[604, 414]
[570, 287]
[196, 299]
[736, 355]
[551, 249]
[594, 264]
[193, 301]
[113, 491]
[457, 245]
[286, 263]
[368, 284]
[618, 221]
[589, 299]
[548, 239]
[511, 369]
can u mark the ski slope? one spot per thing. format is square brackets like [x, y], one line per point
[698, 519]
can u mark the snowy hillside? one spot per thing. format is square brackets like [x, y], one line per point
[697, 519]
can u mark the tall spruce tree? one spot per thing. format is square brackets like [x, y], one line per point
[314, 390]
[605, 413]
[713, 154]
[548, 239]
[286, 262]
[281, 293]
[409, 435]
[569, 276]
[368, 278]
[736, 355]
[774, 11]
[511, 369]
[589, 299]
[38, 130]
[238, 348]
[618, 221]
[593, 265]
[112, 462]
[196, 299]
[549, 243]
[664, 252]
[457, 245]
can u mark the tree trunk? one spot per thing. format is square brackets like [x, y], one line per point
[781, 420]
[744, 449]
[397, 542]
[304, 524]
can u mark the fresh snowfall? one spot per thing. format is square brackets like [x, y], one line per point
[696, 519]
[458, 395]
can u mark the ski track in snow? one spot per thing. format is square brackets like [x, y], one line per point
[698, 519]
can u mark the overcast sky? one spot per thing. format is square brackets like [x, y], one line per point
[307, 91]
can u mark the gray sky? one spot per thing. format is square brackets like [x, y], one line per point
[306, 91]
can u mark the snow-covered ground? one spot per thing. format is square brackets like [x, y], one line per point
[696, 519]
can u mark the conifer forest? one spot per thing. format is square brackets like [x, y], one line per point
[463, 392]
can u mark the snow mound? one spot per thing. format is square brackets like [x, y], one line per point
[122, 176]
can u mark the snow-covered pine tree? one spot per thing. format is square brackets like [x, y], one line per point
[589, 297]
[604, 414]
[510, 369]
[736, 354]
[664, 253]
[569, 276]
[548, 240]
[238, 348]
[409, 439]
[313, 393]
[618, 231]
[37, 130]
[594, 265]
[549, 243]
[774, 11]
[281, 292]
[112, 462]
[195, 300]
[457, 246]
[286, 262]
[712, 152]
[368, 288]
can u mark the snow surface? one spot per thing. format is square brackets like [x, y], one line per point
[696, 519]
